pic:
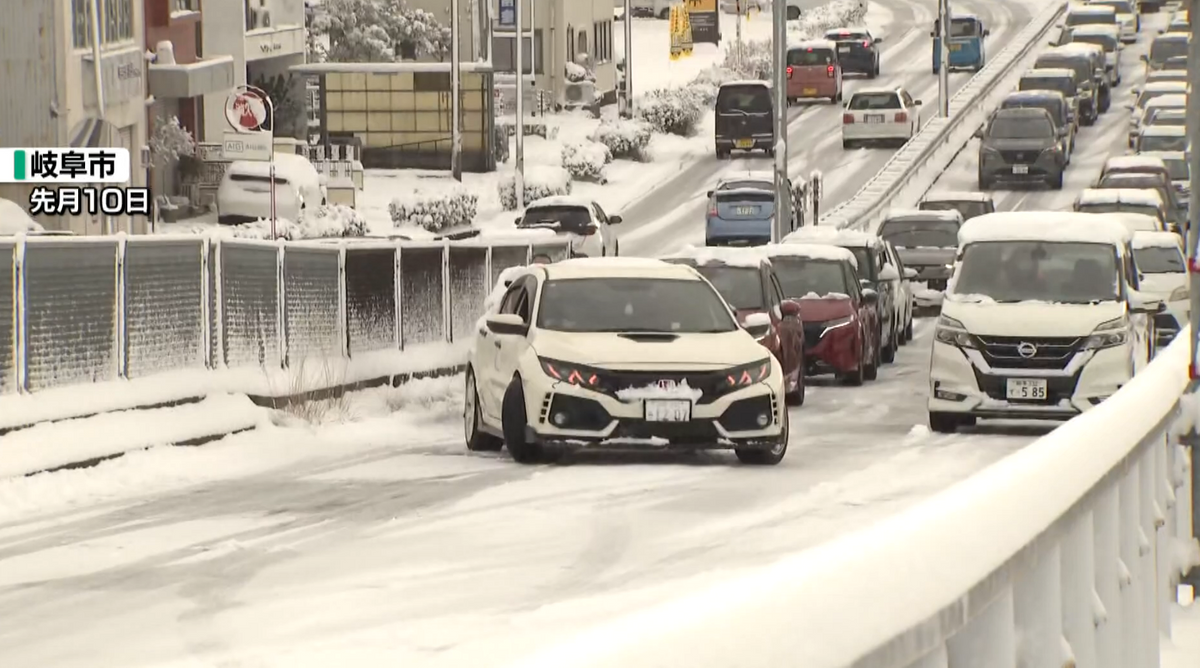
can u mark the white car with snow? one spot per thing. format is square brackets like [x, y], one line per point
[244, 194]
[1123, 200]
[1128, 20]
[1161, 262]
[1157, 95]
[581, 222]
[1042, 320]
[1107, 37]
[1160, 138]
[880, 115]
[620, 353]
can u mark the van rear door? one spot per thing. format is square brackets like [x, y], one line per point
[743, 111]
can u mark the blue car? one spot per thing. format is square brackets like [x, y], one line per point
[741, 211]
[966, 43]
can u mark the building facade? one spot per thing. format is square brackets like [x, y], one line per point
[67, 64]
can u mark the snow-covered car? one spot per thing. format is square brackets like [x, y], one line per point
[1179, 172]
[1155, 101]
[1157, 138]
[1107, 37]
[620, 353]
[582, 222]
[880, 115]
[1138, 222]
[969, 204]
[1041, 321]
[1172, 117]
[244, 194]
[1165, 48]
[1160, 260]
[905, 296]
[840, 314]
[1117, 200]
[1128, 19]
[926, 242]
[1135, 164]
[747, 281]
[741, 210]
[1175, 215]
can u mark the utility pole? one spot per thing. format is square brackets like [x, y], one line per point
[519, 177]
[783, 194]
[628, 60]
[737, 47]
[1193, 238]
[456, 96]
[944, 58]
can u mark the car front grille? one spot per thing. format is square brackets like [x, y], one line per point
[1019, 157]
[1005, 352]
[711, 384]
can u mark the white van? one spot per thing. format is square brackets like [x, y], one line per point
[244, 195]
[1041, 320]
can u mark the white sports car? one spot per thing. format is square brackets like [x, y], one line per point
[619, 353]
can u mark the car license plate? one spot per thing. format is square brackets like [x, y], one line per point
[746, 210]
[1020, 169]
[874, 118]
[1026, 388]
[956, 47]
[668, 410]
[744, 143]
[843, 49]
[810, 91]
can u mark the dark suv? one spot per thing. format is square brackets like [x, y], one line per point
[1080, 67]
[1053, 102]
[857, 50]
[1021, 145]
[745, 118]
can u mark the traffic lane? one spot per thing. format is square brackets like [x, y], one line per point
[461, 565]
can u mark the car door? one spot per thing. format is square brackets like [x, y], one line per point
[607, 240]
[1141, 323]
[905, 293]
[487, 349]
[790, 327]
[910, 108]
[888, 290]
[866, 313]
[512, 347]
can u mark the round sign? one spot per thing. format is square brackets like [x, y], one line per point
[246, 110]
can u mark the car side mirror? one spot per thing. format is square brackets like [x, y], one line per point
[917, 103]
[708, 194]
[790, 309]
[509, 324]
[615, 220]
[517, 220]
[910, 273]
[870, 297]
[1139, 303]
[591, 229]
[889, 273]
[879, 40]
[978, 134]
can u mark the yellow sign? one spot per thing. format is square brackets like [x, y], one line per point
[701, 5]
[680, 31]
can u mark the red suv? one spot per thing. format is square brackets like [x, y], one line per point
[747, 281]
[814, 72]
[841, 315]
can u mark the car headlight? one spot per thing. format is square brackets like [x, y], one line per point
[747, 375]
[573, 374]
[1109, 334]
[1178, 294]
[831, 325]
[952, 332]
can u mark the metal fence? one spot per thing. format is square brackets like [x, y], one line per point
[97, 309]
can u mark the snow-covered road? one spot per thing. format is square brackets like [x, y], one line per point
[673, 216]
[403, 550]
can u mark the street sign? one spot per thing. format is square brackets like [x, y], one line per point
[508, 13]
[256, 146]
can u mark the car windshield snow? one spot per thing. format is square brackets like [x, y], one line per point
[800, 276]
[740, 286]
[1056, 272]
[968, 210]
[1159, 260]
[920, 233]
[1151, 143]
[567, 218]
[607, 304]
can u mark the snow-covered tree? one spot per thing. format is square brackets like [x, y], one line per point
[379, 31]
[170, 142]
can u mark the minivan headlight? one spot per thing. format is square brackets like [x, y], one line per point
[1178, 294]
[1109, 334]
[952, 332]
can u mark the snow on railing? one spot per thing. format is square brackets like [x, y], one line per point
[927, 154]
[1063, 553]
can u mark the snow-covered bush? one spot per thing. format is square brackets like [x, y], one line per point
[331, 221]
[540, 181]
[585, 161]
[170, 142]
[379, 31]
[435, 211]
[673, 111]
[755, 62]
[625, 139]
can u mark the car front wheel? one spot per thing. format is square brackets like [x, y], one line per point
[515, 421]
[771, 457]
[477, 439]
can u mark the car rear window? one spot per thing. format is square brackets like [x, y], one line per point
[920, 233]
[810, 57]
[968, 210]
[1062, 84]
[1091, 18]
[1079, 66]
[745, 196]
[567, 218]
[845, 36]
[1162, 49]
[751, 98]
[958, 27]
[740, 286]
[862, 101]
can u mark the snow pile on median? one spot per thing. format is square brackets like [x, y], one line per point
[434, 210]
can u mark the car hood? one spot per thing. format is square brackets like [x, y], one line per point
[1019, 144]
[1162, 285]
[1031, 318]
[684, 351]
[921, 256]
[820, 309]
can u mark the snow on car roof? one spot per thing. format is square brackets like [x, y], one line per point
[1170, 100]
[832, 235]
[813, 44]
[747, 82]
[843, 29]
[1083, 10]
[559, 200]
[1164, 131]
[623, 267]
[751, 175]
[1165, 155]
[1156, 240]
[877, 90]
[1135, 222]
[1128, 162]
[922, 214]
[1043, 226]
[958, 195]
[1074, 48]
[811, 251]
[1107, 30]
[750, 258]
[1138, 196]
[1156, 86]
[1034, 94]
[1048, 73]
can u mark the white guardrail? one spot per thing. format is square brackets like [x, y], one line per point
[914, 168]
[1065, 553]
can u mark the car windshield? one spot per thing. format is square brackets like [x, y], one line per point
[968, 210]
[1177, 168]
[1149, 143]
[1117, 207]
[740, 286]
[1060, 272]
[752, 98]
[1162, 49]
[1048, 105]
[920, 233]
[632, 305]
[1020, 127]
[1106, 42]
[566, 218]
[810, 57]
[1159, 260]
[801, 276]
[959, 27]
[845, 36]
[1091, 18]
[863, 101]
[1080, 67]
[1062, 84]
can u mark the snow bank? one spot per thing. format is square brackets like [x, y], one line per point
[674, 111]
[434, 210]
[540, 181]
[585, 161]
[332, 221]
[14, 220]
[625, 139]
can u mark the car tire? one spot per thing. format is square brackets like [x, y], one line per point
[943, 423]
[477, 439]
[871, 371]
[767, 457]
[515, 421]
[796, 397]
[1056, 181]
[888, 353]
[908, 330]
[616, 248]
[664, 14]
[847, 144]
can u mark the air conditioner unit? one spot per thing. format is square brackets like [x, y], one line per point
[579, 94]
[261, 18]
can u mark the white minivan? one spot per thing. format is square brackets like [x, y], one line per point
[244, 195]
[1041, 320]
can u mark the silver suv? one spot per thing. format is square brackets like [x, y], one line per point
[1021, 145]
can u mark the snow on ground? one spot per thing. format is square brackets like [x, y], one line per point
[652, 64]
[1182, 650]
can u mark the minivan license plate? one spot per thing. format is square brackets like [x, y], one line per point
[843, 49]
[1026, 388]
[746, 210]
[1020, 169]
[955, 47]
[668, 410]
[810, 91]
[744, 143]
[874, 118]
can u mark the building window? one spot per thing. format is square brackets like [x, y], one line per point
[583, 45]
[118, 21]
[185, 6]
[504, 54]
[602, 42]
[81, 23]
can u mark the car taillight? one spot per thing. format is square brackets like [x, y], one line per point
[712, 208]
[866, 44]
[789, 71]
[829, 71]
[847, 119]
[902, 117]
